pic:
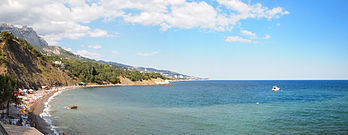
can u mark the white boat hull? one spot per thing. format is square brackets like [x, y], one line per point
[275, 89]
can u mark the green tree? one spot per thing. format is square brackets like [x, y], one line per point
[8, 87]
[95, 72]
[6, 35]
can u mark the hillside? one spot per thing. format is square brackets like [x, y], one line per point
[33, 70]
[101, 73]
[19, 59]
[40, 44]
[170, 74]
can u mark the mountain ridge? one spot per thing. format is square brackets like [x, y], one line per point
[40, 44]
[25, 32]
[33, 70]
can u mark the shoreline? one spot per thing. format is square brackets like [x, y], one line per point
[39, 109]
[35, 111]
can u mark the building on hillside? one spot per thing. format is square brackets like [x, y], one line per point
[81, 84]
[58, 62]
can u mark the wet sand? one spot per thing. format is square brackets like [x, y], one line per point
[35, 111]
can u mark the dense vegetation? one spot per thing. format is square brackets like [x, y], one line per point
[95, 72]
[8, 87]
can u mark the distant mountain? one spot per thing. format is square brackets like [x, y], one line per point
[40, 44]
[60, 52]
[167, 73]
[25, 33]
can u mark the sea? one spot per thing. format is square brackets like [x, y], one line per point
[205, 108]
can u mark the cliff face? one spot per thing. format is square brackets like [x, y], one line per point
[28, 65]
[25, 33]
[158, 81]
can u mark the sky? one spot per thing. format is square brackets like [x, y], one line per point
[218, 39]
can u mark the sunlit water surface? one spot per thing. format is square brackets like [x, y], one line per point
[206, 107]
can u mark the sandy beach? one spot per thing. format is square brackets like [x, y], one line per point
[38, 107]
[35, 111]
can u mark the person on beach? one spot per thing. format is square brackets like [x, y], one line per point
[27, 124]
[2, 115]
[19, 123]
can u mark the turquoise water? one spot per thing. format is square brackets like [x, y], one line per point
[206, 107]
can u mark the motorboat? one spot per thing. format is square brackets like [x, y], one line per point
[275, 88]
[73, 107]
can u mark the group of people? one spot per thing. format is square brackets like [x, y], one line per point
[20, 115]
[23, 120]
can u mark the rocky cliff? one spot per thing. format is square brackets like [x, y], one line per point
[25, 33]
[29, 66]
[152, 81]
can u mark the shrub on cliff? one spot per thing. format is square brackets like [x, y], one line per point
[6, 35]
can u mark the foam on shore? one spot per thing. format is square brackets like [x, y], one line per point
[45, 115]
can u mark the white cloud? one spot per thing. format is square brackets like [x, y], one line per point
[102, 33]
[59, 19]
[267, 36]
[88, 54]
[95, 46]
[252, 11]
[245, 40]
[248, 33]
[114, 52]
[147, 54]
[237, 39]
[98, 33]
[278, 24]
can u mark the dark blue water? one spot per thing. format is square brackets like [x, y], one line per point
[207, 107]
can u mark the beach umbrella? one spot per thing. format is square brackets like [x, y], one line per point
[20, 92]
[30, 91]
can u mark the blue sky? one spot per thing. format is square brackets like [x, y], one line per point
[303, 40]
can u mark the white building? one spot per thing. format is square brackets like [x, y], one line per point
[58, 62]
